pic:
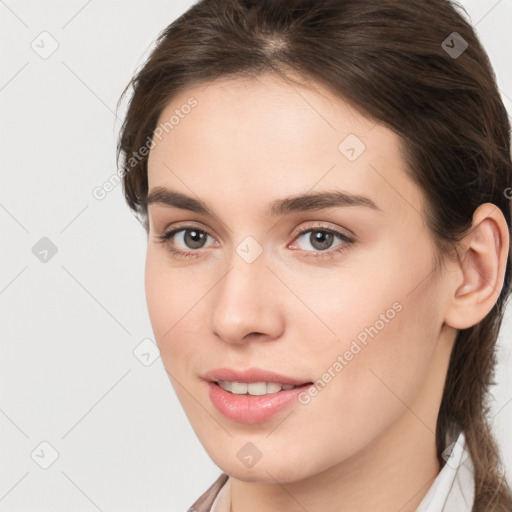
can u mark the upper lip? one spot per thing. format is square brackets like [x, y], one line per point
[250, 375]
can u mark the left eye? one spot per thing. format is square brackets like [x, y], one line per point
[321, 239]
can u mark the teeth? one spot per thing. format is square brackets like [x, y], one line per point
[272, 387]
[253, 388]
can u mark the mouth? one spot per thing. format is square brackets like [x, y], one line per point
[256, 388]
[253, 402]
[252, 395]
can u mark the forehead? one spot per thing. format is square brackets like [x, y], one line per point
[264, 137]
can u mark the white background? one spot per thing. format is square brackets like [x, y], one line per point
[68, 373]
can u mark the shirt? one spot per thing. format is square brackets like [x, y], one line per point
[451, 491]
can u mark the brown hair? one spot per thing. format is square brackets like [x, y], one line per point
[395, 62]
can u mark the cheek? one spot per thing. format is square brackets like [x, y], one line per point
[159, 297]
[171, 310]
[375, 383]
[168, 301]
[386, 325]
[177, 301]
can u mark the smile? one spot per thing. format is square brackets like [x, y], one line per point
[253, 388]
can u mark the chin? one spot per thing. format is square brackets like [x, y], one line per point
[264, 471]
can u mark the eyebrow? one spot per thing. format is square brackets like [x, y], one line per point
[297, 203]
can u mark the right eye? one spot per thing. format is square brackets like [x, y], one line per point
[190, 237]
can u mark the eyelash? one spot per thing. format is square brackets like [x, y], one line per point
[163, 239]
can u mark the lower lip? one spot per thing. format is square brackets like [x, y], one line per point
[252, 409]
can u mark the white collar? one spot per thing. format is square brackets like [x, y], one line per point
[451, 491]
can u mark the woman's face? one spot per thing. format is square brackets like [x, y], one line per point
[358, 313]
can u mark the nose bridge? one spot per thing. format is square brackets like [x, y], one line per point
[242, 301]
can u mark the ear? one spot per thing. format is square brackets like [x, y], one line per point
[480, 271]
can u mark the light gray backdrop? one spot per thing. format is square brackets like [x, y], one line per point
[88, 417]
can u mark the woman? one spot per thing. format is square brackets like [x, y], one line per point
[324, 188]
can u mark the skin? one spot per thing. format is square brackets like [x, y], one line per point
[247, 143]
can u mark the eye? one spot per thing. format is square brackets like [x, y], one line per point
[321, 240]
[183, 242]
[191, 238]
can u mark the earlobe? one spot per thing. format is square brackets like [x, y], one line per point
[482, 260]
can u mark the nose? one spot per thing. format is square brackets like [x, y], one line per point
[245, 303]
